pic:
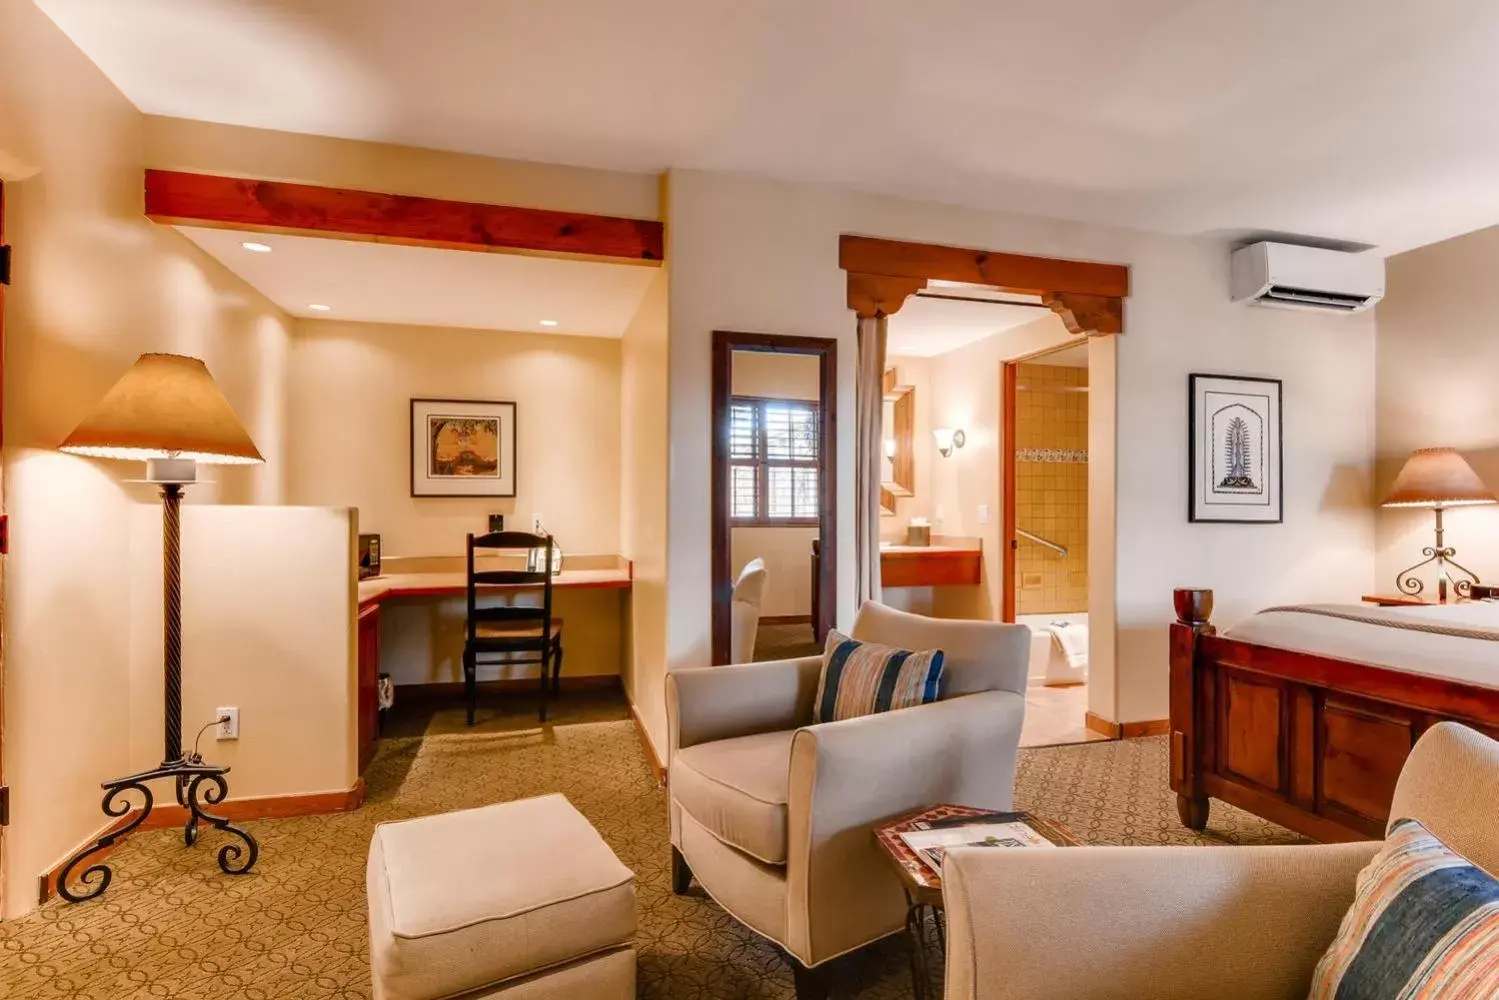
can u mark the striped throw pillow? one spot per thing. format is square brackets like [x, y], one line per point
[862, 678]
[1424, 924]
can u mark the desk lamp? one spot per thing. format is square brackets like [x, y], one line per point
[1438, 478]
[165, 410]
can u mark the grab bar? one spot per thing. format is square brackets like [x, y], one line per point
[1060, 549]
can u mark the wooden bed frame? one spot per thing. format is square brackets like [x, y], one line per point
[1310, 742]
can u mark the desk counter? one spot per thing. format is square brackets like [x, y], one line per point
[391, 585]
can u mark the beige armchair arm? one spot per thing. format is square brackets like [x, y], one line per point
[848, 776]
[1169, 923]
[718, 703]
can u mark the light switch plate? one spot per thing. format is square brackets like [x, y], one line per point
[983, 513]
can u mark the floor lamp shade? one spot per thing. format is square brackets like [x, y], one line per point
[1438, 477]
[164, 406]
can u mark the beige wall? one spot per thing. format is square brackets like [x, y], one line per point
[788, 566]
[645, 450]
[1103, 535]
[777, 376]
[267, 627]
[1051, 488]
[421, 641]
[966, 394]
[1439, 386]
[95, 285]
[351, 388]
[206, 147]
[762, 255]
[349, 400]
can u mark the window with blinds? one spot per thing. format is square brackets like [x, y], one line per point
[773, 461]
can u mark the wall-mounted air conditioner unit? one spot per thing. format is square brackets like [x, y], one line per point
[1293, 277]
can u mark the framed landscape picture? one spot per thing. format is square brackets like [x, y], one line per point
[462, 448]
[1235, 450]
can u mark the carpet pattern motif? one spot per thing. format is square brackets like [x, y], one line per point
[173, 926]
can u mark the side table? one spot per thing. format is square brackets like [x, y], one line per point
[923, 887]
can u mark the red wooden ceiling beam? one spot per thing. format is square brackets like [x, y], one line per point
[176, 198]
[1010, 271]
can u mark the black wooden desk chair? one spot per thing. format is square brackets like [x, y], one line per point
[501, 633]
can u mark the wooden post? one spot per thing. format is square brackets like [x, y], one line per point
[1193, 609]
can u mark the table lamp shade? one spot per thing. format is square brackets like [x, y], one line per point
[1438, 477]
[164, 406]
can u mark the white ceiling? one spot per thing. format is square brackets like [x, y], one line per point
[926, 327]
[417, 286]
[1355, 120]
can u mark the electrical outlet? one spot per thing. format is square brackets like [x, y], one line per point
[228, 723]
[536, 528]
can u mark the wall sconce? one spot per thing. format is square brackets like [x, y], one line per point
[890, 447]
[948, 439]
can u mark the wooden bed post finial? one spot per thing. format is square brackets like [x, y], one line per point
[1194, 605]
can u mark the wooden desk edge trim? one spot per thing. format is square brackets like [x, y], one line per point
[930, 553]
[168, 815]
[453, 591]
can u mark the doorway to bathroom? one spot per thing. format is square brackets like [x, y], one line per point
[1044, 533]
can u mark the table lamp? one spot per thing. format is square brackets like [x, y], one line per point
[165, 410]
[1438, 478]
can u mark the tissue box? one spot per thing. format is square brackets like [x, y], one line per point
[918, 534]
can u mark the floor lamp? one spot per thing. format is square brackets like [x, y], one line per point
[1438, 478]
[165, 410]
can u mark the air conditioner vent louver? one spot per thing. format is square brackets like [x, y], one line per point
[1287, 276]
[1308, 297]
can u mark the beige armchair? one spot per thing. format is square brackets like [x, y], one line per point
[744, 611]
[774, 814]
[1180, 923]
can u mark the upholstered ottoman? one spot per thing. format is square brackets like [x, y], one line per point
[519, 900]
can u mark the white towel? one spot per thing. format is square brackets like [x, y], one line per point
[1072, 639]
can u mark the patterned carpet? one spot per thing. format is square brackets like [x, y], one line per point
[173, 926]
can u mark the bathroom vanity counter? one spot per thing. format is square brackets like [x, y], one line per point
[943, 565]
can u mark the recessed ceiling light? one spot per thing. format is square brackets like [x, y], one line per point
[256, 247]
[318, 307]
[548, 322]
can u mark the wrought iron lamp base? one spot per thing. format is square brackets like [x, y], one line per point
[196, 784]
[1440, 557]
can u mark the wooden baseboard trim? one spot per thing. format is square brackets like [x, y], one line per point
[650, 748]
[509, 685]
[785, 619]
[1128, 730]
[1098, 724]
[1149, 727]
[166, 816]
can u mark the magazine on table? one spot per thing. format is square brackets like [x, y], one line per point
[931, 844]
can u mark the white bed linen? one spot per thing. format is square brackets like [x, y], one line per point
[1459, 658]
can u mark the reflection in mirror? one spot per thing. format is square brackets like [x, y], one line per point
[774, 469]
[898, 459]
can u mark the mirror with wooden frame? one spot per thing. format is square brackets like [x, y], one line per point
[898, 440]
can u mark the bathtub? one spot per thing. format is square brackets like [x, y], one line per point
[1047, 664]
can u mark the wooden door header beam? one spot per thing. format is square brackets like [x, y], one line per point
[1009, 271]
[175, 198]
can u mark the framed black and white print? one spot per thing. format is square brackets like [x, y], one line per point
[462, 448]
[1235, 461]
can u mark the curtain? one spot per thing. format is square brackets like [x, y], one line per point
[869, 400]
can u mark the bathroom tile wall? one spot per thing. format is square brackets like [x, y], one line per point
[1051, 488]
